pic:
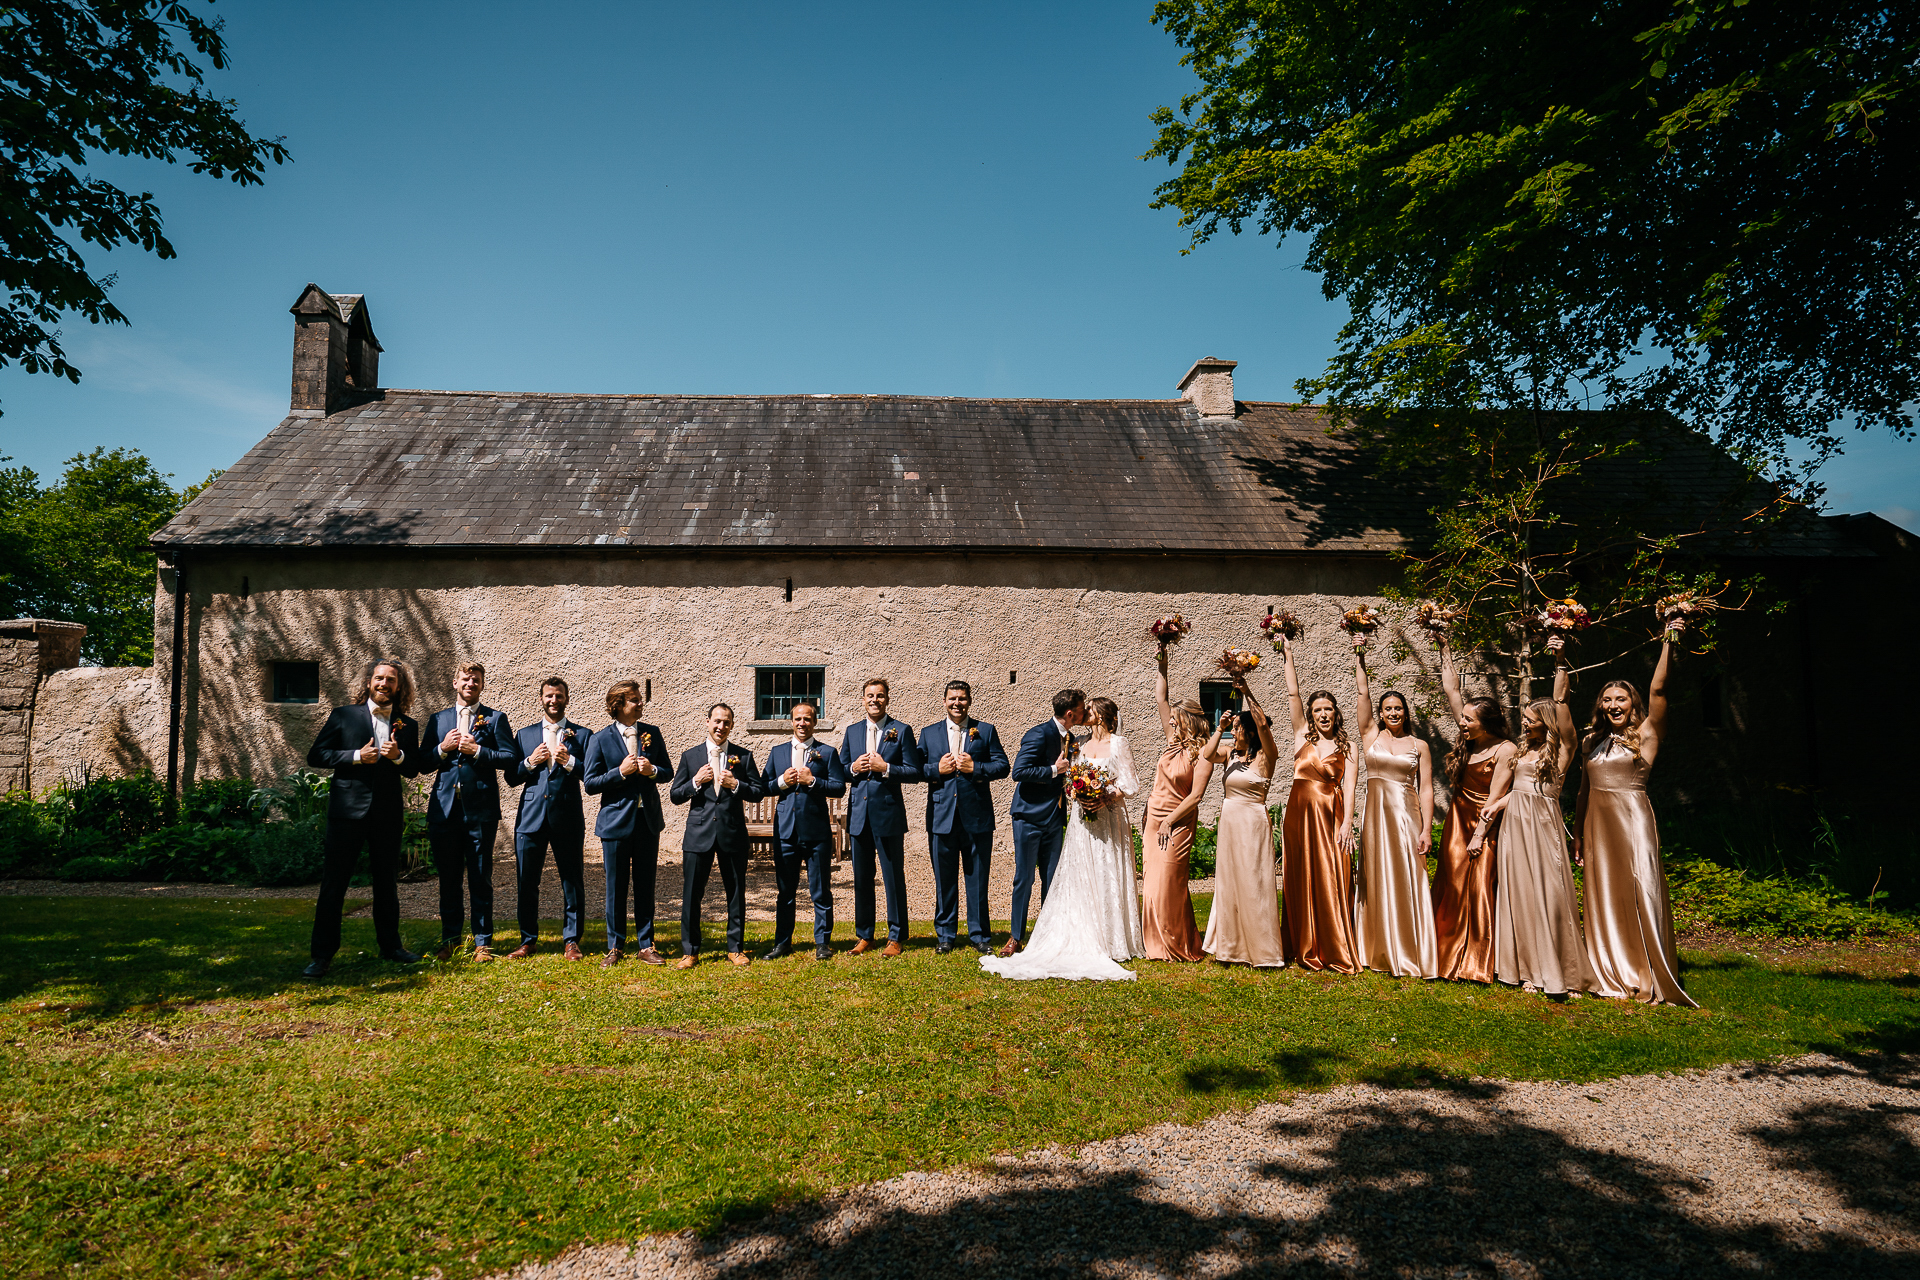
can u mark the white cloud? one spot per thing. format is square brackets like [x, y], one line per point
[138, 366]
[1906, 517]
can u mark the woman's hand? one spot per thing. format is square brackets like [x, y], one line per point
[1423, 840]
[1556, 643]
[1479, 839]
[1579, 854]
[1491, 811]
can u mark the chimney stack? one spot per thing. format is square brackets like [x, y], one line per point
[334, 351]
[1209, 385]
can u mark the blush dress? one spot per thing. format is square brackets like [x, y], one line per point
[1244, 925]
[1393, 911]
[1629, 923]
[1166, 908]
[1316, 877]
[1536, 934]
[1463, 886]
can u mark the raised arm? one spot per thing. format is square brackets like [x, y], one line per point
[1562, 713]
[1450, 681]
[1294, 704]
[1655, 725]
[1160, 696]
[1263, 724]
[1367, 726]
[1215, 751]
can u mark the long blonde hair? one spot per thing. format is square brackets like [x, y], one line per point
[1543, 709]
[1599, 728]
[1190, 727]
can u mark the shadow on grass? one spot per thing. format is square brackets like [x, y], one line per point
[1403, 1190]
[1306, 1068]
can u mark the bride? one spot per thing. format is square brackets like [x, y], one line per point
[1091, 917]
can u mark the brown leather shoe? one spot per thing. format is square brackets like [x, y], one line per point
[861, 947]
[521, 952]
[685, 962]
[445, 952]
[892, 949]
[573, 952]
[649, 956]
[1013, 947]
[611, 959]
[482, 954]
[740, 958]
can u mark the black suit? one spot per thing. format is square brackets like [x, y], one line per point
[716, 827]
[366, 808]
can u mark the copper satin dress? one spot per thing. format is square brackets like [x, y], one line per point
[1316, 877]
[1536, 934]
[1629, 924]
[1244, 925]
[1463, 886]
[1393, 912]
[1166, 908]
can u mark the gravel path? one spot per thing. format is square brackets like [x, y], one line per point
[1804, 1168]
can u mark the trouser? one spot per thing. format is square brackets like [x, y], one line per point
[956, 854]
[1034, 846]
[379, 834]
[698, 867]
[789, 856]
[569, 859]
[890, 853]
[465, 851]
[631, 860]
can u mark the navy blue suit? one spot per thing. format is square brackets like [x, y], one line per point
[366, 806]
[960, 825]
[463, 816]
[716, 831]
[629, 826]
[803, 834]
[1039, 817]
[877, 821]
[550, 816]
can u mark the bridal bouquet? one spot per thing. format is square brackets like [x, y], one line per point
[1281, 627]
[1089, 782]
[1360, 622]
[1437, 618]
[1237, 661]
[1564, 616]
[1682, 608]
[1168, 630]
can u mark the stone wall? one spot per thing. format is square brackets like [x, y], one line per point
[31, 649]
[99, 720]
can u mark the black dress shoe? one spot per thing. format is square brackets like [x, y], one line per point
[823, 952]
[400, 955]
[777, 950]
[984, 948]
[318, 969]
[942, 948]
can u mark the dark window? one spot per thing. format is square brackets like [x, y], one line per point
[296, 682]
[776, 689]
[1713, 702]
[1217, 696]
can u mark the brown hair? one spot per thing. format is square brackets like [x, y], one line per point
[808, 703]
[619, 692]
[1543, 710]
[1490, 717]
[1339, 733]
[877, 680]
[1598, 727]
[1103, 710]
[477, 668]
[1190, 727]
[403, 696]
[557, 683]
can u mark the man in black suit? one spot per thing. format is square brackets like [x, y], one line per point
[474, 742]
[717, 779]
[625, 762]
[371, 747]
[546, 768]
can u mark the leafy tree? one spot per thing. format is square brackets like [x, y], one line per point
[77, 552]
[83, 78]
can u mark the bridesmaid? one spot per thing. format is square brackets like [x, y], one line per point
[1629, 925]
[1244, 926]
[1480, 769]
[1316, 867]
[1536, 935]
[1393, 917]
[1166, 837]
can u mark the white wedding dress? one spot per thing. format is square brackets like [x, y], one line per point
[1091, 917]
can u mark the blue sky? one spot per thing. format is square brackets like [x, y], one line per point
[728, 198]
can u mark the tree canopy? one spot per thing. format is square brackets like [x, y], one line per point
[87, 78]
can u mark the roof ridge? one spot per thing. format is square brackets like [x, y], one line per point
[779, 395]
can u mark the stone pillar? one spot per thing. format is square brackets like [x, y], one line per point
[30, 650]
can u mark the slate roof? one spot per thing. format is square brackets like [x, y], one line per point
[445, 469]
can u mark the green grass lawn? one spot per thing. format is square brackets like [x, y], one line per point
[177, 1102]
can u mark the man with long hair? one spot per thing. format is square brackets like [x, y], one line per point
[372, 747]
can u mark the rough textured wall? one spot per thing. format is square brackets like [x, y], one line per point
[98, 720]
[19, 675]
[1016, 627]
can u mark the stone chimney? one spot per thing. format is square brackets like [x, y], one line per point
[335, 354]
[1209, 384]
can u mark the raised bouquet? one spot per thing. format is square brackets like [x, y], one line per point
[1168, 630]
[1089, 783]
[1360, 622]
[1437, 618]
[1237, 661]
[1682, 608]
[1564, 616]
[1281, 627]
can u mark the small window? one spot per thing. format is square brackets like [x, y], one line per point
[296, 682]
[1713, 702]
[1217, 696]
[776, 689]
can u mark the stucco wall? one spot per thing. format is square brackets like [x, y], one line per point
[98, 720]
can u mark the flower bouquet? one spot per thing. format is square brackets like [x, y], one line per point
[1236, 661]
[1281, 627]
[1437, 618]
[1564, 616]
[1360, 622]
[1681, 609]
[1168, 630]
[1089, 783]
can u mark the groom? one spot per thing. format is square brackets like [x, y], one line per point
[1039, 805]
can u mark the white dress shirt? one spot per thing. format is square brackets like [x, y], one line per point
[956, 739]
[717, 757]
[799, 759]
[382, 722]
[550, 734]
[874, 729]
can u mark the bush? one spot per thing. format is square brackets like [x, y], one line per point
[1200, 863]
[301, 794]
[123, 809]
[192, 852]
[31, 832]
[98, 868]
[281, 853]
[1706, 894]
[219, 802]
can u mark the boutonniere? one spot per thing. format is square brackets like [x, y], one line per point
[891, 735]
[568, 734]
[973, 735]
[813, 755]
[733, 762]
[646, 742]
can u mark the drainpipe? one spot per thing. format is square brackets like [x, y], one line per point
[179, 676]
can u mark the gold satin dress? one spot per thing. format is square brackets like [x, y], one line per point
[1316, 877]
[1629, 923]
[1166, 908]
[1244, 925]
[1463, 885]
[1393, 911]
[1536, 934]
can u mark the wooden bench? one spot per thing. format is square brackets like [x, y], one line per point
[760, 830]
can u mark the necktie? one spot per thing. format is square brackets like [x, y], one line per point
[555, 774]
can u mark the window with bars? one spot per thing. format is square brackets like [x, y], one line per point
[1217, 696]
[296, 682]
[776, 689]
